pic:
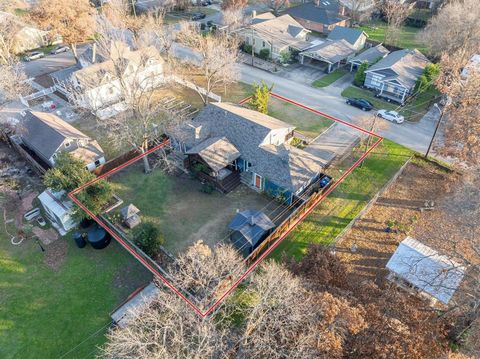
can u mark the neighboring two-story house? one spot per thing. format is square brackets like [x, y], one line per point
[47, 135]
[276, 34]
[320, 15]
[354, 37]
[394, 77]
[229, 143]
[98, 87]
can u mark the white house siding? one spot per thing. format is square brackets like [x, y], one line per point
[277, 137]
[260, 44]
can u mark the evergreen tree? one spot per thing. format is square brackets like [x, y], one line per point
[260, 97]
[360, 75]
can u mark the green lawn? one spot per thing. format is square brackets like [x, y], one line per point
[346, 201]
[406, 39]
[45, 312]
[308, 123]
[330, 78]
[413, 110]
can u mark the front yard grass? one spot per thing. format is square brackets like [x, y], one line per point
[46, 312]
[307, 123]
[407, 37]
[346, 201]
[330, 78]
[413, 110]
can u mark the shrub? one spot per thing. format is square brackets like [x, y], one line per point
[285, 57]
[260, 97]
[247, 48]
[360, 75]
[148, 238]
[264, 54]
[297, 142]
[207, 188]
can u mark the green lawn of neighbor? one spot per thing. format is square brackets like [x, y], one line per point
[406, 38]
[344, 203]
[45, 312]
[413, 110]
[308, 123]
[330, 78]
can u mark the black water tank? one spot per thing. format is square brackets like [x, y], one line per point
[98, 237]
[78, 238]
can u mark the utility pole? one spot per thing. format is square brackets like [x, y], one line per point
[442, 112]
[253, 46]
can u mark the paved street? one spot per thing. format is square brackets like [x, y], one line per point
[412, 135]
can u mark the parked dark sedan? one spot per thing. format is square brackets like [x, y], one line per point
[360, 103]
[198, 16]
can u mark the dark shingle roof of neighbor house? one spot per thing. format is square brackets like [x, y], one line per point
[217, 152]
[371, 55]
[407, 64]
[346, 33]
[45, 132]
[287, 166]
[428, 270]
[251, 224]
[330, 51]
[322, 14]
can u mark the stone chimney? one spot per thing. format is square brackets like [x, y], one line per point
[254, 14]
[341, 9]
[317, 3]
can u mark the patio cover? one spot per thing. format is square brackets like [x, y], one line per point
[217, 152]
[426, 269]
[330, 51]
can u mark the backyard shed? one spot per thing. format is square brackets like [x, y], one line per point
[130, 215]
[415, 265]
[249, 228]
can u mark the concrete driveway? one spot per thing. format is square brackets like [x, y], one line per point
[301, 73]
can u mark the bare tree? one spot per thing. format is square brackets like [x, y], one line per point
[276, 5]
[234, 4]
[168, 329]
[8, 28]
[359, 9]
[71, 19]
[206, 274]
[216, 66]
[395, 13]
[455, 30]
[125, 83]
[233, 18]
[13, 82]
[462, 128]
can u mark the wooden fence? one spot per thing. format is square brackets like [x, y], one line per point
[369, 205]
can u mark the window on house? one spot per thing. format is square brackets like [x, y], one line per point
[263, 43]
[253, 41]
[97, 163]
[67, 144]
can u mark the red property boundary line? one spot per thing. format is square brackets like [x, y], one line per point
[124, 244]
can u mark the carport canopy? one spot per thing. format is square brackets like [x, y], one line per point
[331, 52]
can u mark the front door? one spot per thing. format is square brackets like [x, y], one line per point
[257, 181]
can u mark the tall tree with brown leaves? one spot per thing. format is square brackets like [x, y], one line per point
[71, 19]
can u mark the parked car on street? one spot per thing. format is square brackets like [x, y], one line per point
[34, 55]
[392, 116]
[361, 103]
[60, 49]
[198, 16]
[206, 2]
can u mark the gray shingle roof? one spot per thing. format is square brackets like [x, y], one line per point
[407, 64]
[45, 132]
[346, 33]
[284, 29]
[330, 51]
[251, 224]
[322, 14]
[217, 152]
[422, 266]
[287, 166]
[371, 55]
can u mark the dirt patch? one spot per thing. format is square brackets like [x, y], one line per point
[55, 254]
[400, 205]
[46, 236]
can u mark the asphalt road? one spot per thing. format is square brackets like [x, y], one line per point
[415, 136]
[51, 63]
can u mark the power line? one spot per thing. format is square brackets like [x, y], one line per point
[86, 339]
